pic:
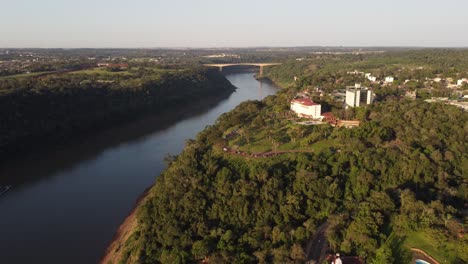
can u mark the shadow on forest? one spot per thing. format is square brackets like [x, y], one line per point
[48, 158]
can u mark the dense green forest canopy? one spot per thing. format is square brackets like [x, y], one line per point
[403, 171]
[397, 181]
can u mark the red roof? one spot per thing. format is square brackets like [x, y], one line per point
[304, 101]
[330, 118]
[121, 65]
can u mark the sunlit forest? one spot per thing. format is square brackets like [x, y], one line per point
[397, 181]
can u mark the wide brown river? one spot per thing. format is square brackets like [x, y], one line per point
[66, 203]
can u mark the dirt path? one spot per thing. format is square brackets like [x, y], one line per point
[317, 246]
[420, 254]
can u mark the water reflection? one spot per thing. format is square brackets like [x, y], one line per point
[68, 202]
[30, 167]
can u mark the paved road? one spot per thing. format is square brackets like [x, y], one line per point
[317, 246]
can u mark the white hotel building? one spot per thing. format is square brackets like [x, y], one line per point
[304, 107]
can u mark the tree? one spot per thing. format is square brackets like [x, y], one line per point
[297, 253]
[200, 249]
[275, 144]
[245, 133]
[383, 255]
[293, 134]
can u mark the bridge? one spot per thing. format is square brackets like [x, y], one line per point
[261, 65]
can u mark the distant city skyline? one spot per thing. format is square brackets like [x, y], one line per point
[241, 23]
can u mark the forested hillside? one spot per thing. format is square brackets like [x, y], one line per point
[54, 107]
[402, 173]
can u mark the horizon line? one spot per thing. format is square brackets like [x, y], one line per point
[243, 47]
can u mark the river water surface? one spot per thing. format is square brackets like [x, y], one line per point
[66, 204]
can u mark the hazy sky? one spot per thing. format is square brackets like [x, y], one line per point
[232, 23]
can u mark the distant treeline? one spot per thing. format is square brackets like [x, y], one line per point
[52, 108]
[330, 71]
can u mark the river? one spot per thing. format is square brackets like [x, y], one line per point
[66, 204]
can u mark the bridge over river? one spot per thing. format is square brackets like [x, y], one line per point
[261, 65]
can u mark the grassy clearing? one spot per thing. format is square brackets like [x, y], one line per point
[322, 144]
[438, 246]
[261, 142]
[425, 241]
[104, 72]
[100, 71]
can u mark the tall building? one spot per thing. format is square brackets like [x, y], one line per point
[357, 96]
[304, 107]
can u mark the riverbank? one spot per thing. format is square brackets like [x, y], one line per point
[267, 79]
[100, 176]
[40, 112]
[113, 252]
[211, 204]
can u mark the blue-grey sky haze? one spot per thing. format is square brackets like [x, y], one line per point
[232, 23]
